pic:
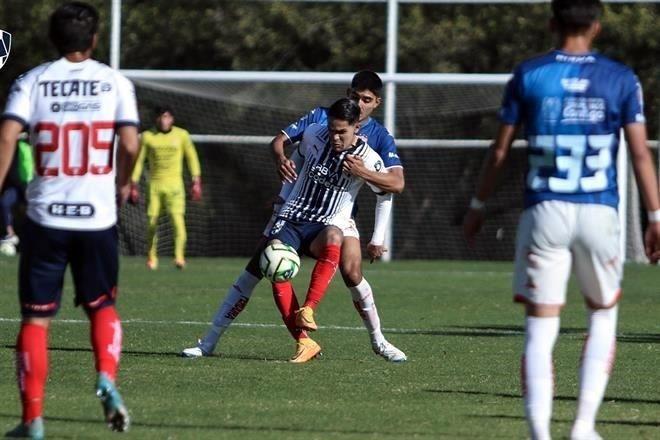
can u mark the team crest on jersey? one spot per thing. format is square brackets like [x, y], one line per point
[5, 47]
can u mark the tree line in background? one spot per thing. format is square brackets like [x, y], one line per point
[254, 35]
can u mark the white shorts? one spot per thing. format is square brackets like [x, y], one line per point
[554, 236]
[350, 230]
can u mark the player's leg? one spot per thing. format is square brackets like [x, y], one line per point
[542, 269]
[363, 298]
[175, 205]
[598, 267]
[326, 248]
[231, 306]
[95, 268]
[8, 198]
[153, 212]
[41, 277]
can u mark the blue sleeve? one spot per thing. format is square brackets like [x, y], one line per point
[295, 131]
[386, 148]
[512, 102]
[632, 109]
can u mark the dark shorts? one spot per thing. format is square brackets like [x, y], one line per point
[298, 235]
[46, 252]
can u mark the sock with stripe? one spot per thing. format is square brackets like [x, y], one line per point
[32, 368]
[106, 336]
[324, 270]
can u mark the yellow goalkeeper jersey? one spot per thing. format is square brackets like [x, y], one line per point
[165, 153]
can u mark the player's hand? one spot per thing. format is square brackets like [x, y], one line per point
[196, 189]
[286, 169]
[354, 165]
[375, 251]
[652, 242]
[133, 194]
[472, 223]
[124, 194]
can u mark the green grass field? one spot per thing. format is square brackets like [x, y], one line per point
[455, 320]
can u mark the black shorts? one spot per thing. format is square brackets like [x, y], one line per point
[45, 254]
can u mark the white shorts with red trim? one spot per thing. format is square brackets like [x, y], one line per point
[555, 236]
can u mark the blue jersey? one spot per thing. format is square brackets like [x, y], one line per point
[377, 136]
[573, 108]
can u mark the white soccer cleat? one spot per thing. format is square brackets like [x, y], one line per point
[389, 352]
[194, 352]
[582, 432]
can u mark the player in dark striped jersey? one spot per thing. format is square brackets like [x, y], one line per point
[365, 88]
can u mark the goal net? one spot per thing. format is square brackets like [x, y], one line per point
[442, 133]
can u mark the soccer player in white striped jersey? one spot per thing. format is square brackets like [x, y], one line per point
[317, 210]
[365, 88]
[74, 107]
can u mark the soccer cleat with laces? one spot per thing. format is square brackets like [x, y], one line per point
[389, 352]
[305, 319]
[306, 350]
[116, 414]
[33, 430]
[194, 352]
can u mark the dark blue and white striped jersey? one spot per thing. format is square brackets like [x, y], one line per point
[322, 192]
[573, 107]
[377, 136]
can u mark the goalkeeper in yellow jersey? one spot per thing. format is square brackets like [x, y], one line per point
[164, 147]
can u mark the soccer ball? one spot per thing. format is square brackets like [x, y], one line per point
[279, 262]
[8, 249]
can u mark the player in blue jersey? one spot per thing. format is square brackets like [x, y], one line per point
[365, 88]
[573, 102]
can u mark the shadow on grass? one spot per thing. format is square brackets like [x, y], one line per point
[516, 330]
[562, 398]
[604, 422]
[314, 431]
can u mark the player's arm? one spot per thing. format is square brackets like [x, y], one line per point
[493, 164]
[286, 168]
[128, 151]
[392, 181]
[383, 211]
[9, 131]
[192, 159]
[642, 163]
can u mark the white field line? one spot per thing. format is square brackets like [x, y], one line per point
[270, 326]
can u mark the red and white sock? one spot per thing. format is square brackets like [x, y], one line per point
[363, 300]
[324, 270]
[287, 304]
[32, 368]
[537, 373]
[106, 339]
[596, 365]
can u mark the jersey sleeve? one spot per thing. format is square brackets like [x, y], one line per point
[127, 112]
[18, 105]
[511, 109]
[387, 150]
[374, 162]
[295, 130]
[632, 110]
[191, 155]
[139, 163]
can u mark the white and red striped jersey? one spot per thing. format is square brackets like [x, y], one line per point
[323, 192]
[72, 111]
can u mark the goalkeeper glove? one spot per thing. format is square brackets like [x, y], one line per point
[134, 195]
[196, 189]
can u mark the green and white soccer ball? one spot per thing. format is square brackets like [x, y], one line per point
[8, 249]
[279, 262]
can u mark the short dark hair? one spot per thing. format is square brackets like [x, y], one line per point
[345, 109]
[163, 108]
[73, 26]
[367, 80]
[576, 15]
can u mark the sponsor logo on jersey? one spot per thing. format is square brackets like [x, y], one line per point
[75, 106]
[5, 47]
[392, 155]
[71, 87]
[71, 209]
[579, 110]
[576, 85]
[323, 175]
[580, 59]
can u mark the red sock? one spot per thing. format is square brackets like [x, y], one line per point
[32, 368]
[324, 270]
[106, 340]
[287, 304]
